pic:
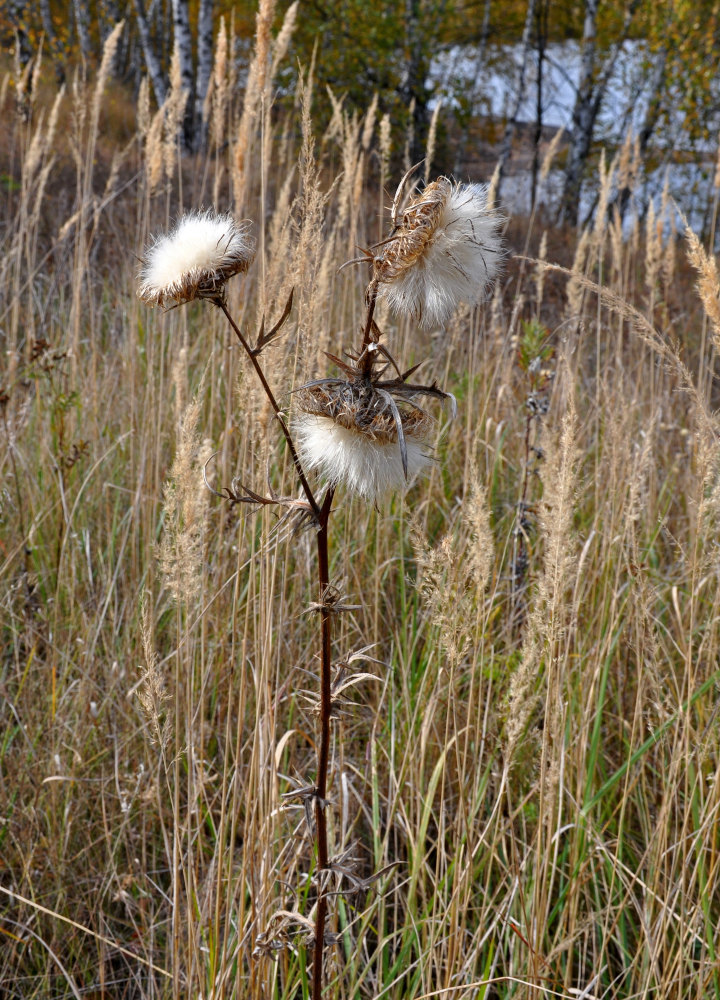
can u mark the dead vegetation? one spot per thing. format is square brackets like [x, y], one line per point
[533, 769]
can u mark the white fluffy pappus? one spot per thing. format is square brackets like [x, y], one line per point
[454, 252]
[367, 465]
[195, 259]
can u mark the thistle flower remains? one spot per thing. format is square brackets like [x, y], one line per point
[347, 442]
[445, 248]
[364, 431]
[195, 260]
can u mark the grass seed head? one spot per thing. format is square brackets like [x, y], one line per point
[195, 260]
[446, 249]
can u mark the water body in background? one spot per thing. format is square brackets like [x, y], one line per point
[487, 89]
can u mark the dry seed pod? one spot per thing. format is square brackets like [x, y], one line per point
[355, 441]
[364, 430]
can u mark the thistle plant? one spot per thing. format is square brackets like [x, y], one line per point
[364, 428]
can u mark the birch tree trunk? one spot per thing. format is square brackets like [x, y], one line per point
[583, 119]
[591, 90]
[204, 70]
[151, 59]
[509, 134]
[183, 46]
[541, 39]
[657, 91]
[81, 23]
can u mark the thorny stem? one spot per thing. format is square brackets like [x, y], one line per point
[368, 338]
[324, 749]
[322, 514]
[276, 409]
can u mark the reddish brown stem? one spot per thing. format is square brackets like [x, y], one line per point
[324, 748]
[276, 409]
[322, 514]
[368, 337]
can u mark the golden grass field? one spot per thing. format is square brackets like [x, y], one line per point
[536, 754]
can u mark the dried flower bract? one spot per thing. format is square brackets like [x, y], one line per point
[445, 249]
[195, 260]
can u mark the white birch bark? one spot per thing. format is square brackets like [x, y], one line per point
[205, 66]
[151, 59]
[183, 46]
[657, 91]
[82, 24]
[591, 90]
[583, 118]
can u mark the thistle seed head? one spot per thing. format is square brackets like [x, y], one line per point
[416, 229]
[358, 435]
[445, 249]
[195, 260]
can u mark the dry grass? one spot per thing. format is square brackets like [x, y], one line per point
[546, 784]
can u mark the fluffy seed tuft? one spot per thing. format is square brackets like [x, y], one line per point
[195, 260]
[369, 466]
[446, 249]
[352, 438]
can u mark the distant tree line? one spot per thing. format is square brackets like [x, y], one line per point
[360, 48]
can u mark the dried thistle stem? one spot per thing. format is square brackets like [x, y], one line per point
[322, 516]
[324, 750]
[368, 334]
[273, 403]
